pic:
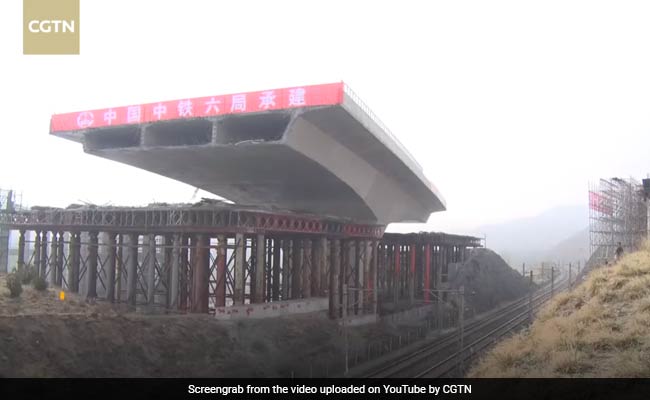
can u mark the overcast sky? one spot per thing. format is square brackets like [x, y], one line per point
[511, 107]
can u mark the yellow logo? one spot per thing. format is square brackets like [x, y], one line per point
[51, 27]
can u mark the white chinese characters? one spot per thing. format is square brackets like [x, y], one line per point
[203, 107]
[133, 114]
[297, 97]
[109, 116]
[238, 103]
[267, 100]
[185, 108]
[212, 105]
[159, 110]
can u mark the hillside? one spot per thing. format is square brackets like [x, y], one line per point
[600, 329]
[488, 279]
[572, 249]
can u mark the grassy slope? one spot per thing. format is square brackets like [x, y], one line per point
[599, 329]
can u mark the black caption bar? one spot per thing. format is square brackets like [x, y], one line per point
[500, 389]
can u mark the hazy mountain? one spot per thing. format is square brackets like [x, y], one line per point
[539, 238]
[573, 248]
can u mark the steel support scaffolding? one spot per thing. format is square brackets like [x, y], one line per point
[190, 261]
[618, 213]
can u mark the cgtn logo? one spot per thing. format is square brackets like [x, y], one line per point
[51, 26]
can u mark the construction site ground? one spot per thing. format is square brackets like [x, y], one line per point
[43, 336]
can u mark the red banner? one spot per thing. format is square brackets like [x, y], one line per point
[201, 107]
[599, 203]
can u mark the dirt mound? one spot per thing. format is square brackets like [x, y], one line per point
[42, 336]
[488, 280]
[599, 329]
[161, 346]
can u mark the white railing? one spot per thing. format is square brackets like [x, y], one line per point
[356, 99]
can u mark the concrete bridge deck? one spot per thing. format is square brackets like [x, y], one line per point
[313, 149]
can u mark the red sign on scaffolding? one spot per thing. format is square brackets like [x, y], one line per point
[599, 203]
[201, 107]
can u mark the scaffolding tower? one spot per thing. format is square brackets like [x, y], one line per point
[617, 213]
[9, 203]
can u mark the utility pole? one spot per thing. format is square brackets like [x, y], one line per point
[347, 348]
[523, 270]
[552, 281]
[345, 328]
[530, 299]
[461, 327]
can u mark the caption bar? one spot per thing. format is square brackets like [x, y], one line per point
[332, 389]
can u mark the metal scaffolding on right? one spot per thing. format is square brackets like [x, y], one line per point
[617, 213]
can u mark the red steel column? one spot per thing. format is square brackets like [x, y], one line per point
[220, 291]
[132, 269]
[275, 289]
[110, 266]
[91, 270]
[59, 261]
[324, 265]
[427, 272]
[268, 280]
[240, 278]
[37, 251]
[43, 266]
[296, 271]
[374, 285]
[74, 250]
[200, 273]
[175, 271]
[335, 267]
[361, 269]
[412, 274]
[307, 267]
[21, 249]
[183, 272]
[149, 242]
[367, 276]
[397, 280]
[287, 260]
[260, 266]
[317, 254]
[54, 247]
[351, 275]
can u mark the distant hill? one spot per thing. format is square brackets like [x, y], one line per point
[545, 237]
[573, 248]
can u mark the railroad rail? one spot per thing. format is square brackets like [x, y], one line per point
[441, 358]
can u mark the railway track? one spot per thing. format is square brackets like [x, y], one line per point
[442, 358]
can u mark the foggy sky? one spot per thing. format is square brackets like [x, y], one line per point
[511, 107]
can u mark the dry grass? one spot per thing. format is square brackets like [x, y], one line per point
[599, 329]
[46, 302]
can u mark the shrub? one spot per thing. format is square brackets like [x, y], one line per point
[14, 285]
[26, 273]
[39, 283]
